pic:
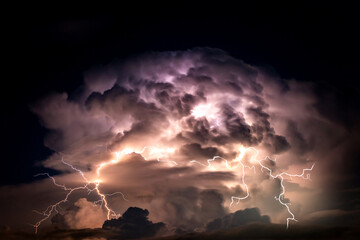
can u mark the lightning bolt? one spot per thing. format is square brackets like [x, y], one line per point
[94, 186]
[280, 176]
[89, 186]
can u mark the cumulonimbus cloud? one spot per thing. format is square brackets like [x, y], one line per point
[173, 107]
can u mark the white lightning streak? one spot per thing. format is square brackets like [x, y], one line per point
[96, 183]
[91, 186]
[280, 176]
[87, 186]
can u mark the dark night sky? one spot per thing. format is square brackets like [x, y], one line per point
[48, 48]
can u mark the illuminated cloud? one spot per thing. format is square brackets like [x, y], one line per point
[149, 119]
[82, 214]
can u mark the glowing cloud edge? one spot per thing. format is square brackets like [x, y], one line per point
[111, 213]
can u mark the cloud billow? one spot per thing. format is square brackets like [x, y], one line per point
[237, 219]
[198, 96]
[134, 223]
[185, 106]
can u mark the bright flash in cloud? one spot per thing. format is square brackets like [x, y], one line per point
[192, 120]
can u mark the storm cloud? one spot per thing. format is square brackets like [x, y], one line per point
[160, 118]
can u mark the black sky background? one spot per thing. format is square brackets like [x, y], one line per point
[48, 48]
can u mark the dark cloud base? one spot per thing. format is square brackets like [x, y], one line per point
[273, 231]
[238, 218]
[134, 223]
[251, 231]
